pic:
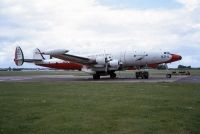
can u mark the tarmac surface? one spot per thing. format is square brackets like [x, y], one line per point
[72, 78]
[189, 79]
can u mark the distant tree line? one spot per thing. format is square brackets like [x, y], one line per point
[163, 67]
[184, 67]
[21, 69]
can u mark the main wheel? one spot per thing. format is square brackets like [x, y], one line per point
[146, 75]
[96, 76]
[113, 75]
[137, 75]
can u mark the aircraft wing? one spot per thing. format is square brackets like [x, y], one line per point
[75, 58]
[64, 55]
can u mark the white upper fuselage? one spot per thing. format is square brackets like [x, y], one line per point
[131, 59]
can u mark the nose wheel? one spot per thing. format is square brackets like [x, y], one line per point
[168, 74]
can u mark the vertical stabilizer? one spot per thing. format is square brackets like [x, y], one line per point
[38, 55]
[19, 56]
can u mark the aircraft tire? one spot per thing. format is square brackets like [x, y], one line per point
[113, 75]
[168, 75]
[142, 75]
[96, 76]
[146, 75]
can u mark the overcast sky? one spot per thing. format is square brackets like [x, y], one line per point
[100, 25]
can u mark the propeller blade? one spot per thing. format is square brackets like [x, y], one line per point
[106, 67]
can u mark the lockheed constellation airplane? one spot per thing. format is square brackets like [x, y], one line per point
[98, 64]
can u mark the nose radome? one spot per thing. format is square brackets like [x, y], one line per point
[176, 57]
[180, 57]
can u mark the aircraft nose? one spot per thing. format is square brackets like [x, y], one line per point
[176, 57]
[180, 57]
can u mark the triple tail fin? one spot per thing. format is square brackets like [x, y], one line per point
[19, 57]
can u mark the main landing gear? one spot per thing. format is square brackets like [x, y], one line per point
[98, 75]
[113, 75]
[168, 76]
[142, 74]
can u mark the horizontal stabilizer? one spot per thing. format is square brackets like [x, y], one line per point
[19, 57]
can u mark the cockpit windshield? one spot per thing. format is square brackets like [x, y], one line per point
[167, 53]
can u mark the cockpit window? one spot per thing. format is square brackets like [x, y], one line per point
[166, 52]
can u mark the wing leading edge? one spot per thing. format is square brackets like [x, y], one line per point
[75, 58]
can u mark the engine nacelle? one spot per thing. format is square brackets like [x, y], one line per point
[56, 52]
[108, 63]
[101, 61]
[114, 64]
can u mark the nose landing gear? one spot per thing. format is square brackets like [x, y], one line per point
[168, 74]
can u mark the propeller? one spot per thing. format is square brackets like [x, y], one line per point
[107, 60]
[106, 67]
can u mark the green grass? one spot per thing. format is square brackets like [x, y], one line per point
[99, 108]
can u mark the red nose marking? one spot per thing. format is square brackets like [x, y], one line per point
[175, 57]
